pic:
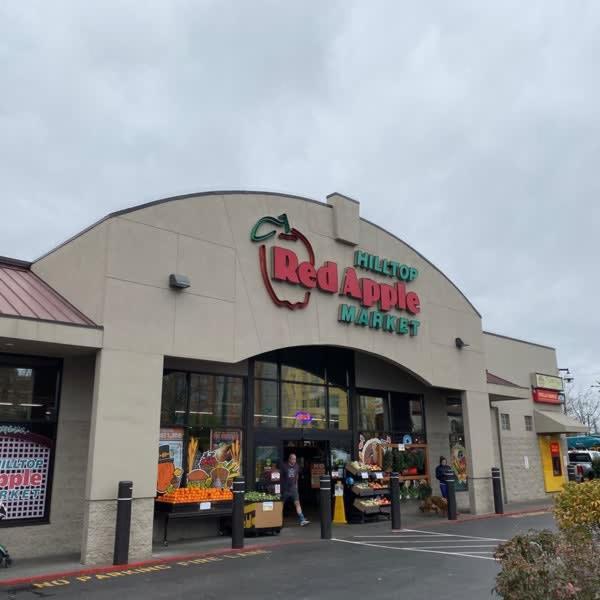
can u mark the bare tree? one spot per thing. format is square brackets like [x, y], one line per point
[584, 405]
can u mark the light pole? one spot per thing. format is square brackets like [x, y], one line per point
[566, 378]
[595, 385]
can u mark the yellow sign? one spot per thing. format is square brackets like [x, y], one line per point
[548, 382]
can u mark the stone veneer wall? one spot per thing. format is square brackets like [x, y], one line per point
[99, 531]
[438, 440]
[63, 534]
[521, 484]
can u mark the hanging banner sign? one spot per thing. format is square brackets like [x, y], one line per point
[24, 476]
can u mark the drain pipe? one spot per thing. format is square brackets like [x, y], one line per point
[497, 418]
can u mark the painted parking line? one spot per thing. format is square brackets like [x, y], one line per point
[418, 533]
[414, 540]
[463, 554]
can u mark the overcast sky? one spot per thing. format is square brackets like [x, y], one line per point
[469, 129]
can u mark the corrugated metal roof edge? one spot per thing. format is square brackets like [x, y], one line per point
[25, 265]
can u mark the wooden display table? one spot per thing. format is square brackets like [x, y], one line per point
[196, 509]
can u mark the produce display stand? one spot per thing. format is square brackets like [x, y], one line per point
[264, 517]
[359, 507]
[193, 510]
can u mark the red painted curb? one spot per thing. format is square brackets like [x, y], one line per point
[143, 563]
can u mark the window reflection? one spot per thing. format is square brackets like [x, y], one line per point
[303, 406]
[371, 413]
[303, 365]
[338, 408]
[215, 400]
[266, 411]
[28, 394]
[265, 369]
[174, 399]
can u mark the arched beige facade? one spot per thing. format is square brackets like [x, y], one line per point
[117, 273]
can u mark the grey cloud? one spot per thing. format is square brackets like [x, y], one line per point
[469, 130]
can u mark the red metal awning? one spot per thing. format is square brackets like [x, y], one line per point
[23, 294]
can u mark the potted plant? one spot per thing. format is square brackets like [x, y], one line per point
[410, 462]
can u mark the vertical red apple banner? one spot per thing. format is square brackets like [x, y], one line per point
[260, 233]
[24, 474]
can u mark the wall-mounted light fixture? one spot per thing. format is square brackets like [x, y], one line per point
[178, 281]
[458, 342]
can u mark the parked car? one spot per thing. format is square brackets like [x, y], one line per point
[582, 459]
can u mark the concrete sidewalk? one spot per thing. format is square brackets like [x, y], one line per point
[290, 534]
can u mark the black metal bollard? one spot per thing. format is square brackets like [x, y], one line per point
[325, 487]
[237, 515]
[451, 498]
[123, 526]
[395, 492]
[497, 488]
[572, 472]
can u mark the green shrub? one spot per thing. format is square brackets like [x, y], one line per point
[596, 468]
[543, 565]
[578, 505]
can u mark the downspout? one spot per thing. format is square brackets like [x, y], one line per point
[497, 417]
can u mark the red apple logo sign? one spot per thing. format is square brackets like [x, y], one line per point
[377, 303]
[261, 233]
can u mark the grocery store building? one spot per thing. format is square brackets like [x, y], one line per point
[259, 323]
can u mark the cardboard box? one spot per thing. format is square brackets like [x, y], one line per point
[263, 515]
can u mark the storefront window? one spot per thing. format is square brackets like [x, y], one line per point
[337, 370]
[28, 414]
[406, 413]
[416, 414]
[265, 369]
[174, 399]
[311, 391]
[266, 410]
[303, 406]
[216, 400]
[303, 365]
[338, 408]
[267, 457]
[298, 375]
[371, 413]
[27, 393]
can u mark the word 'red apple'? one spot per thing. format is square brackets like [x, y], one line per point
[286, 267]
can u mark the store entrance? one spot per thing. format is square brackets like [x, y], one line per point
[313, 459]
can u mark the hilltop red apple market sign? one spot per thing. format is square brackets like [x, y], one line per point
[377, 304]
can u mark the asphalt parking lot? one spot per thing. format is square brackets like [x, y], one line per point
[445, 561]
